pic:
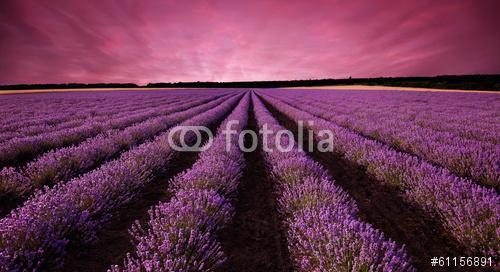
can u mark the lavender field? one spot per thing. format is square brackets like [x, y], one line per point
[89, 181]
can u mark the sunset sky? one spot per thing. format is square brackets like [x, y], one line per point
[45, 41]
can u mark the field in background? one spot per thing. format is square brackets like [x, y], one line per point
[389, 88]
[86, 90]
[332, 87]
[89, 180]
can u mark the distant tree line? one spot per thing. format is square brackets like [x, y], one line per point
[464, 82]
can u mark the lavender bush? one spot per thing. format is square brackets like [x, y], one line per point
[181, 233]
[65, 163]
[323, 232]
[473, 158]
[28, 147]
[469, 212]
[37, 234]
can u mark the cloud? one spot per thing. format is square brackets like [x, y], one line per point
[191, 40]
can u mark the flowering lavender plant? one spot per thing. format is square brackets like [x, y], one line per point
[323, 232]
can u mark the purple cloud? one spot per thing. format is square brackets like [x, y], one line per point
[190, 40]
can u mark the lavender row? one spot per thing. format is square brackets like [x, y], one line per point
[181, 233]
[74, 121]
[51, 114]
[68, 109]
[69, 121]
[28, 107]
[461, 127]
[25, 110]
[456, 114]
[38, 234]
[456, 111]
[66, 163]
[26, 148]
[323, 231]
[70, 106]
[464, 157]
[469, 212]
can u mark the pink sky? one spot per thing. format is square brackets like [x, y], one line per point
[151, 41]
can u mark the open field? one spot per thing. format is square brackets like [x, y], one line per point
[86, 90]
[90, 180]
[333, 87]
[389, 88]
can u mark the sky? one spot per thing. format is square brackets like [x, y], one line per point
[87, 41]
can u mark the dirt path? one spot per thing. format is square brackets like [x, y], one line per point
[255, 241]
[385, 208]
[390, 88]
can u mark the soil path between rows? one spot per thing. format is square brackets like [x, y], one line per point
[255, 240]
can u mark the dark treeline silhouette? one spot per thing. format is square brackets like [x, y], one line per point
[464, 82]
